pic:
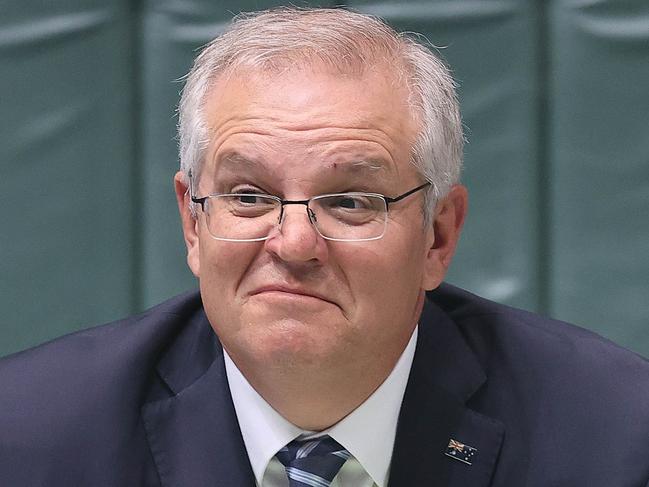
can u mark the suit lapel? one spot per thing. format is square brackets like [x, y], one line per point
[444, 375]
[193, 432]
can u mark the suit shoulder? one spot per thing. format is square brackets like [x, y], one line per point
[108, 360]
[498, 332]
[143, 329]
[72, 406]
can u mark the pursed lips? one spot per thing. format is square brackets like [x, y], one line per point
[275, 288]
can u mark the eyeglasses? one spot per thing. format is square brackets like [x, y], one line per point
[342, 217]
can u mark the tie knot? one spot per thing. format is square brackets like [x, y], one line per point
[312, 462]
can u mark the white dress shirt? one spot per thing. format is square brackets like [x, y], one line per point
[367, 433]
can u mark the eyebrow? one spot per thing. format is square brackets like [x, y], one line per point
[375, 166]
[365, 165]
[234, 158]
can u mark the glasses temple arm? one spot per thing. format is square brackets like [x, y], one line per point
[406, 194]
[194, 199]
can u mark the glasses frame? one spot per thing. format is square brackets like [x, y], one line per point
[310, 213]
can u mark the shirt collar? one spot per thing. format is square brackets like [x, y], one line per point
[367, 433]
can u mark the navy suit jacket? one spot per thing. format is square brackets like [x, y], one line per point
[145, 402]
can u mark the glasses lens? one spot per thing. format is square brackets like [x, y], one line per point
[350, 216]
[241, 217]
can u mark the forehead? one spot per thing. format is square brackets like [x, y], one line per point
[374, 87]
[311, 112]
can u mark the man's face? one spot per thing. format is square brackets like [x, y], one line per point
[296, 298]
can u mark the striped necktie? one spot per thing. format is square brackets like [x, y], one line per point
[312, 463]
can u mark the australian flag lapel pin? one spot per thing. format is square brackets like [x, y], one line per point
[461, 452]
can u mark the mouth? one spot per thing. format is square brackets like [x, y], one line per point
[288, 292]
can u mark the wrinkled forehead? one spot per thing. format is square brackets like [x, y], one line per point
[302, 105]
[299, 91]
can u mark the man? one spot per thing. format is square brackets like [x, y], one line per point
[320, 199]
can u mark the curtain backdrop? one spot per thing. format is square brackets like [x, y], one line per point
[555, 101]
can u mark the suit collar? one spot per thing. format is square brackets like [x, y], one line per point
[192, 427]
[444, 375]
[444, 358]
[192, 352]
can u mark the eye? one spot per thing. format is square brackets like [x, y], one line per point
[350, 202]
[246, 189]
[247, 194]
[246, 205]
[250, 199]
[245, 199]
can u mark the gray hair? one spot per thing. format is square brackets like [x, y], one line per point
[342, 40]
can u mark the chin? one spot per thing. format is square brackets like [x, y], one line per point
[290, 341]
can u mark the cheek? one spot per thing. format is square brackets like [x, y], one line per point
[387, 282]
[223, 265]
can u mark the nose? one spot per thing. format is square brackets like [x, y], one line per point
[297, 240]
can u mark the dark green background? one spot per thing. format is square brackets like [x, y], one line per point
[555, 97]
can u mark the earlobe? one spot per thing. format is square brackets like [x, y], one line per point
[189, 223]
[444, 235]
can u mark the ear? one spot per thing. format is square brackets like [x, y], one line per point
[189, 223]
[444, 235]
